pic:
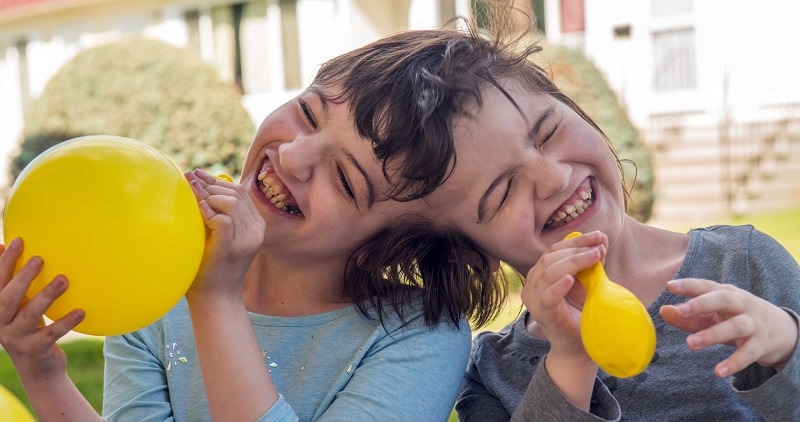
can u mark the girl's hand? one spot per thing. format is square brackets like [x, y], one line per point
[554, 298]
[30, 343]
[235, 233]
[724, 314]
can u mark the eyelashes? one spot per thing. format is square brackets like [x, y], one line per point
[345, 185]
[307, 113]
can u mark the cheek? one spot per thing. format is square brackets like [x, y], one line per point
[511, 237]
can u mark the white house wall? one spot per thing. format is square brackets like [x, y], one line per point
[744, 52]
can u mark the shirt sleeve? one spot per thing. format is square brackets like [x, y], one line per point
[135, 385]
[775, 276]
[543, 401]
[279, 412]
[773, 394]
[412, 375]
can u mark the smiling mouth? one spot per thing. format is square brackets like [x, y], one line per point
[573, 207]
[274, 190]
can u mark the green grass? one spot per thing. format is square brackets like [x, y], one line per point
[784, 226]
[84, 365]
[85, 356]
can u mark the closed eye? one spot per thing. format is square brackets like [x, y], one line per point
[548, 136]
[492, 196]
[307, 112]
[505, 194]
[345, 185]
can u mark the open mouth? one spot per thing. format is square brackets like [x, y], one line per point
[573, 207]
[274, 190]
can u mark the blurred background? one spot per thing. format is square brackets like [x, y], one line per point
[702, 95]
[708, 89]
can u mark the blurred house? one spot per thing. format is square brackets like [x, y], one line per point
[713, 87]
[269, 48]
[711, 84]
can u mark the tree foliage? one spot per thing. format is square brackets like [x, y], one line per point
[147, 90]
[577, 76]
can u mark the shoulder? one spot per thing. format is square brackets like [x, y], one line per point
[723, 233]
[406, 321]
[176, 322]
[743, 240]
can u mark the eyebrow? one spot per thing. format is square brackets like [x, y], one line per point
[350, 157]
[322, 99]
[370, 186]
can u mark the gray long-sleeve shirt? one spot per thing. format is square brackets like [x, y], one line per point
[506, 381]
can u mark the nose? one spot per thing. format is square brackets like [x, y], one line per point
[299, 157]
[553, 178]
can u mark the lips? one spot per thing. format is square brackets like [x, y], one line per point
[275, 191]
[573, 207]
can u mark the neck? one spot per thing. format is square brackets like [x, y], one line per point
[643, 258]
[281, 287]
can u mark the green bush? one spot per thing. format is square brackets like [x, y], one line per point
[84, 366]
[146, 90]
[581, 81]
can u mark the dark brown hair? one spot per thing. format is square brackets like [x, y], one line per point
[453, 276]
[404, 92]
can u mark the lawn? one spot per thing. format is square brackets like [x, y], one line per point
[86, 358]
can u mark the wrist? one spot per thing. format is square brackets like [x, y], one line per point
[791, 351]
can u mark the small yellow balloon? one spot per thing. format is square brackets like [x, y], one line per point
[616, 329]
[118, 219]
[11, 409]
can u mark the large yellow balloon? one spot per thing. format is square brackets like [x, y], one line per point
[11, 409]
[118, 219]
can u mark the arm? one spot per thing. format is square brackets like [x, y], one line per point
[543, 401]
[31, 345]
[765, 368]
[563, 385]
[219, 317]
[550, 294]
[498, 380]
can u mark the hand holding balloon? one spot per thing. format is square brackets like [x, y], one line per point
[116, 217]
[235, 233]
[616, 329]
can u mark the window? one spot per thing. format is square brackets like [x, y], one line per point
[674, 58]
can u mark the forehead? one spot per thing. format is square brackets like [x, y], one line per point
[487, 143]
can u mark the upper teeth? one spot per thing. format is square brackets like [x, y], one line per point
[568, 212]
[273, 190]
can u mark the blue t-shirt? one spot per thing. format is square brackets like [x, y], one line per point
[334, 366]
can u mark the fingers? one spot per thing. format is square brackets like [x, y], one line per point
[31, 313]
[8, 260]
[12, 295]
[745, 355]
[724, 314]
[21, 320]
